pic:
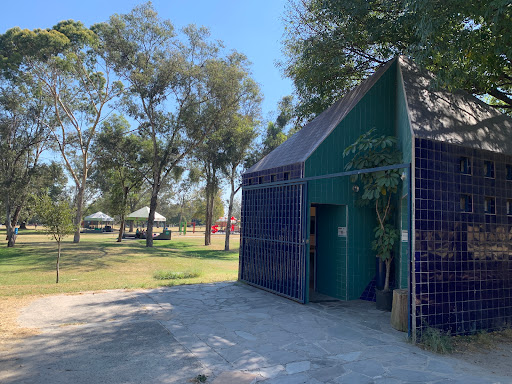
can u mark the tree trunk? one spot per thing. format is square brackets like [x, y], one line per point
[208, 228]
[8, 222]
[121, 228]
[388, 269]
[152, 210]
[58, 260]
[210, 196]
[78, 216]
[230, 212]
[181, 212]
[16, 216]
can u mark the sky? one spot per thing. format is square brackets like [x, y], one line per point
[253, 27]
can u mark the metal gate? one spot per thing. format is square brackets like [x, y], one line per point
[273, 246]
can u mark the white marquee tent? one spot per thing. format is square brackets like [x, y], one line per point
[99, 216]
[143, 214]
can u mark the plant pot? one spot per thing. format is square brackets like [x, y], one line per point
[380, 273]
[384, 299]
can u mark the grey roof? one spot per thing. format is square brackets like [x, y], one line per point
[303, 143]
[454, 117]
[98, 216]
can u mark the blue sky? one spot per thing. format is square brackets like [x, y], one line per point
[253, 27]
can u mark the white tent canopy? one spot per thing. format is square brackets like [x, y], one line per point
[143, 213]
[98, 216]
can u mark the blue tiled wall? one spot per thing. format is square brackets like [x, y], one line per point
[295, 171]
[272, 249]
[462, 260]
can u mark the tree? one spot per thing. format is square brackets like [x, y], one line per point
[122, 165]
[275, 134]
[239, 140]
[22, 140]
[379, 187]
[200, 207]
[57, 218]
[178, 88]
[332, 45]
[46, 177]
[65, 60]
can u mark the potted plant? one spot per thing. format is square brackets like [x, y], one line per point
[378, 189]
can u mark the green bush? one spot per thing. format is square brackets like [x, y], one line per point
[173, 275]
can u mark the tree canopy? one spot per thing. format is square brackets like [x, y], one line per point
[332, 45]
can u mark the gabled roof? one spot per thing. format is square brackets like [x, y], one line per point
[453, 117]
[143, 213]
[98, 216]
[303, 143]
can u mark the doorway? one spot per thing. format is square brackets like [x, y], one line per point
[328, 251]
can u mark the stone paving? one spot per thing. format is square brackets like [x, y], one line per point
[230, 332]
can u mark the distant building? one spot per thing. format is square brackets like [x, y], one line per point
[302, 232]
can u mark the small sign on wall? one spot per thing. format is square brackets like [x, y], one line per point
[342, 231]
[405, 236]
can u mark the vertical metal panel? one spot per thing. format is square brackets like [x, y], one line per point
[273, 247]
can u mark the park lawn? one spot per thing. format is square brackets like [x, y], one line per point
[98, 262]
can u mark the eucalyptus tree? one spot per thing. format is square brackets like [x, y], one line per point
[65, 60]
[23, 112]
[121, 165]
[177, 86]
[48, 177]
[239, 140]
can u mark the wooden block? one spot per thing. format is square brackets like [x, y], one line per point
[399, 313]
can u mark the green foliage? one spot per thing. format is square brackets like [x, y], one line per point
[172, 275]
[67, 66]
[122, 161]
[275, 135]
[332, 45]
[435, 340]
[56, 216]
[370, 151]
[200, 206]
[23, 137]
[179, 89]
[385, 239]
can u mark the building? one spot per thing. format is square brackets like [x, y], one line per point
[303, 233]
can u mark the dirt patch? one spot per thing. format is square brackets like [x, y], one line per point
[491, 351]
[10, 330]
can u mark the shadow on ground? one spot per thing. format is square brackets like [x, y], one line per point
[173, 334]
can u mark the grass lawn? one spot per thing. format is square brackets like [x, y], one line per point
[99, 262]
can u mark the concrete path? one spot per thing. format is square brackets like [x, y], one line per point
[229, 332]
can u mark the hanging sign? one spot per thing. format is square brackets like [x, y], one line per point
[405, 236]
[342, 231]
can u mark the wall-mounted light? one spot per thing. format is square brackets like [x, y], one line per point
[355, 188]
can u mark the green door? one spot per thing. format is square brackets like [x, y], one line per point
[331, 250]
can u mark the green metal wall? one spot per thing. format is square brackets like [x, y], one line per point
[377, 109]
[404, 135]
[331, 254]
[401, 263]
